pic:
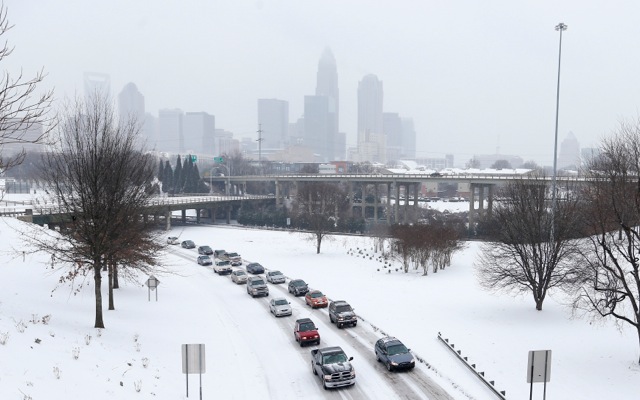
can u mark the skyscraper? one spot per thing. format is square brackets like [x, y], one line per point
[317, 122]
[371, 139]
[273, 117]
[569, 156]
[97, 84]
[198, 130]
[327, 86]
[131, 103]
[169, 131]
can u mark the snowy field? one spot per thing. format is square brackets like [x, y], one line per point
[251, 354]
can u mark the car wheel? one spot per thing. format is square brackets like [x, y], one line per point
[324, 385]
[330, 318]
[339, 325]
[318, 342]
[313, 369]
[301, 344]
[389, 368]
[377, 357]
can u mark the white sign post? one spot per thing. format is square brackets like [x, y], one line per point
[193, 362]
[152, 283]
[539, 369]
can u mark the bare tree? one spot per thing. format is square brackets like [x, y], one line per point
[98, 178]
[319, 206]
[24, 114]
[521, 258]
[610, 286]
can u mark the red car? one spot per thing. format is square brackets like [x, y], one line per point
[316, 299]
[305, 331]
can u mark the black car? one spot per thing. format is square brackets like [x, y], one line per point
[393, 354]
[206, 250]
[298, 287]
[341, 313]
[255, 268]
[188, 244]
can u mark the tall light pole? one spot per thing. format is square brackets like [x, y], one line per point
[560, 27]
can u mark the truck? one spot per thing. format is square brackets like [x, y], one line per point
[257, 287]
[333, 367]
[341, 313]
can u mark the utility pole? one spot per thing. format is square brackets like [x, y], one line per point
[259, 140]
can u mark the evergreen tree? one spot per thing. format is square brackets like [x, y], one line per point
[161, 171]
[178, 183]
[187, 167]
[167, 179]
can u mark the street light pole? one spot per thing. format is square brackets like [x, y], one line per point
[560, 27]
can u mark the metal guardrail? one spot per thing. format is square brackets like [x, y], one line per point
[490, 384]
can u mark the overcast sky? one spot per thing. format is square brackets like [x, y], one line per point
[477, 77]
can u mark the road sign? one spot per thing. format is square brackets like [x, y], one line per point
[194, 158]
[218, 159]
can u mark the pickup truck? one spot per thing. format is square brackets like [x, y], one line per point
[234, 258]
[333, 367]
[222, 267]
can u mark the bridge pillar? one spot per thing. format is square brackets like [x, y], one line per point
[490, 200]
[416, 196]
[167, 220]
[472, 202]
[156, 218]
[350, 197]
[481, 189]
[184, 216]
[375, 202]
[229, 214]
[397, 202]
[197, 215]
[278, 200]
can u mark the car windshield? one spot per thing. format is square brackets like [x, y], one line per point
[232, 254]
[281, 302]
[316, 294]
[307, 326]
[274, 273]
[257, 282]
[345, 308]
[299, 283]
[223, 263]
[205, 247]
[334, 358]
[240, 272]
[396, 349]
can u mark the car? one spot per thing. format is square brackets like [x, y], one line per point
[233, 257]
[206, 250]
[255, 268]
[257, 287]
[218, 253]
[188, 244]
[305, 332]
[205, 260]
[222, 267]
[316, 299]
[298, 287]
[173, 240]
[280, 307]
[393, 354]
[239, 276]
[341, 313]
[275, 276]
[333, 367]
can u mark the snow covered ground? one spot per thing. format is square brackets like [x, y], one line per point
[251, 354]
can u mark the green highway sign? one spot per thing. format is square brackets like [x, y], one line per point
[218, 159]
[194, 158]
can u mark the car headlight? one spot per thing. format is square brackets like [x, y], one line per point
[394, 363]
[353, 373]
[327, 377]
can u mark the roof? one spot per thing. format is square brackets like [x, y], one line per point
[301, 320]
[334, 349]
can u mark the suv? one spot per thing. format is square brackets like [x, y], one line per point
[393, 354]
[257, 287]
[305, 331]
[204, 260]
[333, 367]
[188, 244]
[298, 287]
[342, 314]
[235, 258]
[218, 253]
[222, 267]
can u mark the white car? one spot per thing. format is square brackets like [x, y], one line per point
[239, 276]
[173, 240]
[275, 277]
[280, 307]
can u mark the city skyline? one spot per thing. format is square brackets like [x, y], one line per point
[474, 77]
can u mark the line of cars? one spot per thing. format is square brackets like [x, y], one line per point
[330, 363]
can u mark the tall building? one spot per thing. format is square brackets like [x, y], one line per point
[131, 108]
[273, 117]
[392, 126]
[569, 156]
[408, 150]
[317, 127]
[169, 137]
[371, 139]
[198, 131]
[97, 84]
[327, 85]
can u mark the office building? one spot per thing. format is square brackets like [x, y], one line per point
[273, 119]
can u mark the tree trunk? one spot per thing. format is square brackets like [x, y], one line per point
[97, 278]
[318, 243]
[116, 285]
[111, 278]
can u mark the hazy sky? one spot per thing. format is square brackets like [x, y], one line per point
[477, 77]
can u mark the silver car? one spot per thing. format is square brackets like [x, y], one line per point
[280, 307]
[275, 277]
[239, 276]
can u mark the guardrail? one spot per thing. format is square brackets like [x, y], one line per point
[490, 384]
